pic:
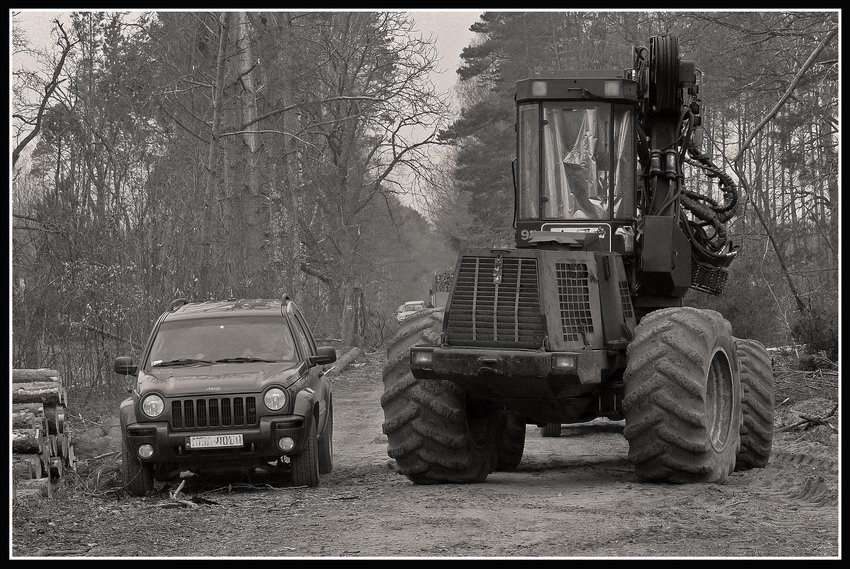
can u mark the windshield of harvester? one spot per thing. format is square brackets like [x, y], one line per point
[586, 168]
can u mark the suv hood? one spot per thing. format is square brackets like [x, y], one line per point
[214, 379]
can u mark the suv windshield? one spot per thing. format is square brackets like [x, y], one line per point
[232, 338]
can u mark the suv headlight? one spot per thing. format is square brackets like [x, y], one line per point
[275, 399]
[152, 406]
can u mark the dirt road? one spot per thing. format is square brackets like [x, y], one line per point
[572, 496]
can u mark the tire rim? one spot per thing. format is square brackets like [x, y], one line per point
[719, 400]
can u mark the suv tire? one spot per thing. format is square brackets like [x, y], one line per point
[138, 477]
[435, 434]
[683, 397]
[326, 443]
[305, 464]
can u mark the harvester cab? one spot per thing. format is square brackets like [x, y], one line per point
[585, 317]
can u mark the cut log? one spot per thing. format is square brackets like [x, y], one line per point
[27, 441]
[64, 444]
[30, 375]
[29, 416]
[57, 468]
[26, 466]
[72, 458]
[53, 446]
[343, 361]
[41, 484]
[32, 407]
[45, 392]
[55, 416]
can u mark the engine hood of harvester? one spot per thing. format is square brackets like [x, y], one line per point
[552, 299]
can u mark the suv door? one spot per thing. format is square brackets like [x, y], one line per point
[314, 372]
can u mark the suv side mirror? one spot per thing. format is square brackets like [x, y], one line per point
[324, 355]
[124, 365]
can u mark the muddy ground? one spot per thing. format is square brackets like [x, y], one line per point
[576, 495]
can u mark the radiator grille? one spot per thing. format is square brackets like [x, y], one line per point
[574, 299]
[495, 302]
[213, 412]
[626, 299]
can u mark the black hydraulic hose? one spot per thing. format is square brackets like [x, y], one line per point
[727, 184]
[706, 214]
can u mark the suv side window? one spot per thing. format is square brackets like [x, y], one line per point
[306, 329]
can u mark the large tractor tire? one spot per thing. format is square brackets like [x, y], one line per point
[551, 430]
[511, 444]
[683, 397]
[757, 404]
[435, 434]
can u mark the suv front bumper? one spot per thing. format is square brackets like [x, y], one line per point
[260, 441]
[522, 374]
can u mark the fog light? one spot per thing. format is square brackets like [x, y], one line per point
[145, 451]
[286, 444]
[421, 358]
[564, 362]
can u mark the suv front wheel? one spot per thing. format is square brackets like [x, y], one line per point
[305, 465]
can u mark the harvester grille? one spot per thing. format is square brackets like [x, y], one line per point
[495, 303]
[574, 298]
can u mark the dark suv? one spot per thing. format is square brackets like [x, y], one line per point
[227, 383]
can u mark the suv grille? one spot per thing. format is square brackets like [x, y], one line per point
[496, 302]
[574, 298]
[213, 412]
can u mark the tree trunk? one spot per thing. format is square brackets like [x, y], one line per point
[215, 143]
[284, 206]
[252, 226]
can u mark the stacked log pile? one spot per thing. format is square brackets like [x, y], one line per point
[41, 446]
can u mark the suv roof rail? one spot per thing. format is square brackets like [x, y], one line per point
[177, 303]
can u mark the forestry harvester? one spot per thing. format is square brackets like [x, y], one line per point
[585, 317]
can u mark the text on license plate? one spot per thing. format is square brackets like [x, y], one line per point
[215, 441]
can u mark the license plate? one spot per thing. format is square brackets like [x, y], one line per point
[215, 441]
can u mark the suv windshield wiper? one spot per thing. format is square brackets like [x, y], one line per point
[242, 360]
[180, 362]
